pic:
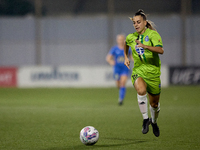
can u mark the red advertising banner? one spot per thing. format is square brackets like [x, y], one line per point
[8, 77]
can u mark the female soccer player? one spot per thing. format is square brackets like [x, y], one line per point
[116, 59]
[146, 44]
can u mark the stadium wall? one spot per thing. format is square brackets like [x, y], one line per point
[69, 41]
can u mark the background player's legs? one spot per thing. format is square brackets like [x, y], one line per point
[117, 83]
[122, 88]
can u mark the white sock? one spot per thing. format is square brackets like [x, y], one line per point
[142, 102]
[154, 113]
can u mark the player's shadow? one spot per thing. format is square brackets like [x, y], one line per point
[81, 147]
[127, 142]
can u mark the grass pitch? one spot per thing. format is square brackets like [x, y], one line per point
[51, 119]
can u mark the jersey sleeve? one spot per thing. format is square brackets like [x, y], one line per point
[128, 40]
[156, 39]
[112, 51]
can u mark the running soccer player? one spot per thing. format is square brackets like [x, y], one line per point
[115, 58]
[146, 44]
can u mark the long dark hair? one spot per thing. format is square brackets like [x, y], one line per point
[141, 13]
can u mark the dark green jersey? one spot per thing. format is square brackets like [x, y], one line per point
[144, 60]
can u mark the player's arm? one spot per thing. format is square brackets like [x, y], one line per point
[109, 59]
[130, 56]
[156, 49]
[126, 60]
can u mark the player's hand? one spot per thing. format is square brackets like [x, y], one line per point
[127, 62]
[112, 63]
[139, 44]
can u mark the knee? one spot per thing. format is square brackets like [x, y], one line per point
[154, 105]
[122, 84]
[141, 91]
[140, 86]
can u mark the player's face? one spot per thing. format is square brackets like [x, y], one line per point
[139, 24]
[120, 40]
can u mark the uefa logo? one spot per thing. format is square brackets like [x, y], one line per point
[139, 50]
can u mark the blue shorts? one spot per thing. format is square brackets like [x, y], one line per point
[118, 72]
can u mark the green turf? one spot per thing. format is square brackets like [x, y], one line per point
[51, 119]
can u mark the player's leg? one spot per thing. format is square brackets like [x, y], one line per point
[122, 88]
[116, 76]
[154, 106]
[154, 89]
[154, 109]
[117, 83]
[141, 86]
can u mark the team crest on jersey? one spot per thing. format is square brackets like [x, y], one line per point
[139, 50]
[146, 38]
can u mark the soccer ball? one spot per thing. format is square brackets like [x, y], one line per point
[89, 135]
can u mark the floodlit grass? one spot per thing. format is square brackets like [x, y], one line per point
[51, 119]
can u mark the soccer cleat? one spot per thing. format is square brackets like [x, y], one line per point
[120, 103]
[146, 123]
[155, 127]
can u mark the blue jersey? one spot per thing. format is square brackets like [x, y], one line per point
[119, 67]
[118, 55]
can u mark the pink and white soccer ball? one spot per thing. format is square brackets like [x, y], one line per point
[89, 135]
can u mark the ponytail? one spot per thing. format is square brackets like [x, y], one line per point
[150, 25]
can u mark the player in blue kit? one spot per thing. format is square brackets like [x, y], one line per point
[115, 58]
